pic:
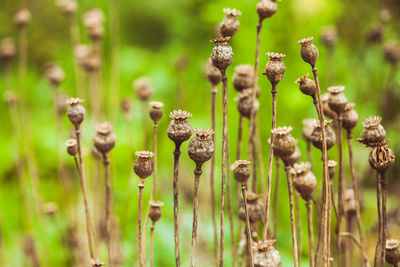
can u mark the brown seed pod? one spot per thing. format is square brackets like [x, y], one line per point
[72, 147]
[275, 68]
[266, 8]
[243, 77]
[230, 24]
[349, 117]
[96, 263]
[373, 132]
[96, 32]
[156, 112]
[349, 205]
[213, 73]
[76, 112]
[255, 208]
[329, 36]
[22, 16]
[104, 138]
[67, 7]
[201, 147]
[241, 171]
[284, 143]
[245, 102]
[93, 17]
[392, 251]
[7, 49]
[332, 168]
[391, 52]
[308, 128]
[50, 208]
[266, 255]
[143, 165]
[92, 61]
[126, 105]
[316, 137]
[143, 88]
[155, 210]
[375, 34]
[307, 86]
[308, 51]
[222, 55]
[381, 158]
[80, 53]
[292, 158]
[304, 180]
[179, 129]
[325, 106]
[54, 74]
[337, 101]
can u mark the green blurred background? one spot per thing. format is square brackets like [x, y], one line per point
[154, 35]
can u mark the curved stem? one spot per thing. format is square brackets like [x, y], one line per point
[140, 243]
[177, 154]
[197, 174]
[106, 163]
[310, 233]
[292, 219]
[212, 167]
[276, 190]
[248, 227]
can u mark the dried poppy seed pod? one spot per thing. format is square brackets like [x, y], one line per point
[375, 34]
[76, 112]
[284, 143]
[156, 112]
[381, 158]
[201, 147]
[96, 32]
[307, 86]
[72, 147]
[316, 137]
[349, 117]
[391, 52]
[275, 68]
[266, 8]
[143, 165]
[392, 251]
[68, 7]
[96, 263]
[126, 105]
[155, 210]
[308, 128]
[329, 36]
[50, 208]
[213, 73]
[304, 180]
[80, 53]
[230, 24]
[325, 106]
[349, 206]
[337, 101]
[266, 255]
[54, 74]
[308, 51]
[22, 17]
[92, 61]
[332, 168]
[245, 103]
[179, 129]
[222, 55]
[373, 131]
[292, 158]
[104, 138]
[241, 171]
[7, 49]
[143, 88]
[93, 17]
[243, 77]
[255, 208]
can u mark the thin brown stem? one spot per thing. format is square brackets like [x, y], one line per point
[276, 190]
[237, 190]
[383, 183]
[378, 248]
[177, 154]
[94, 95]
[74, 37]
[106, 163]
[270, 159]
[347, 243]
[140, 243]
[356, 242]
[340, 190]
[230, 209]
[254, 160]
[212, 168]
[144, 124]
[248, 227]
[114, 55]
[197, 174]
[292, 216]
[309, 156]
[298, 222]
[310, 232]
[151, 243]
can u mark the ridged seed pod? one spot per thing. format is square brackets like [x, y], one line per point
[72, 147]
[7, 49]
[255, 208]
[306, 85]
[241, 171]
[67, 7]
[76, 112]
[201, 147]
[381, 158]
[245, 103]
[316, 137]
[266, 8]
[104, 138]
[304, 180]
[155, 210]
[337, 101]
[308, 51]
[143, 88]
[92, 61]
[243, 77]
[156, 112]
[325, 106]
[391, 52]
[275, 68]
[179, 129]
[230, 24]
[54, 74]
[266, 255]
[393, 251]
[213, 73]
[373, 132]
[222, 55]
[349, 117]
[143, 165]
[284, 143]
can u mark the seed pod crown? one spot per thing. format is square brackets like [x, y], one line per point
[241, 170]
[275, 68]
[179, 129]
[156, 112]
[143, 165]
[245, 103]
[349, 117]
[308, 51]
[266, 8]
[76, 112]
[306, 85]
[201, 147]
[155, 210]
[373, 133]
[222, 55]
[284, 143]
[104, 138]
[337, 101]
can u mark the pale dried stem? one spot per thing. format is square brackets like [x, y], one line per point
[248, 228]
[106, 164]
[276, 191]
[340, 190]
[151, 244]
[197, 174]
[298, 222]
[212, 168]
[177, 154]
[310, 233]
[140, 242]
[378, 252]
[230, 210]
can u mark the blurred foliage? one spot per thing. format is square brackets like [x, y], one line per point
[154, 35]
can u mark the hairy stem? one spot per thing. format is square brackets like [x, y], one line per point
[248, 227]
[197, 174]
[177, 154]
[310, 232]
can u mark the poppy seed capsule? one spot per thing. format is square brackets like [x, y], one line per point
[308, 51]
[96, 32]
[245, 102]
[126, 105]
[275, 68]
[230, 24]
[373, 131]
[143, 88]
[179, 129]
[329, 36]
[375, 34]
[75, 112]
[7, 49]
[155, 210]
[332, 168]
[266, 8]
[143, 165]
[284, 143]
[349, 117]
[392, 251]
[97, 263]
[308, 128]
[391, 52]
[241, 171]
[255, 208]
[266, 255]
[54, 74]
[104, 138]
[67, 7]
[50, 208]
[337, 101]
[22, 16]
[92, 61]
[316, 137]
[243, 77]
[304, 180]
[325, 106]
[307, 86]
[201, 147]
[156, 112]
[213, 73]
[72, 147]
[222, 55]
[292, 158]
[93, 17]
[349, 206]
[381, 158]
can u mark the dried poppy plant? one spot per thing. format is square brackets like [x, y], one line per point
[266, 255]
[155, 215]
[230, 24]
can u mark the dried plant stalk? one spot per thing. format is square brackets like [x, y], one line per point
[378, 252]
[177, 154]
[106, 164]
[310, 233]
[298, 222]
[230, 210]
[248, 228]
[340, 190]
[75, 39]
[151, 243]
[214, 92]
[114, 55]
[140, 243]
[383, 183]
[276, 190]
[197, 174]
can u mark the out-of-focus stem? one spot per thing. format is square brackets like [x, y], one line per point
[151, 244]
[106, 163]
[276, 190]
[298, 222]
[378, 253]
[197, 174]
[230, 210]
[310, 233]
[214, 92]
[114, 85]
[383, 183]
[248, 227]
